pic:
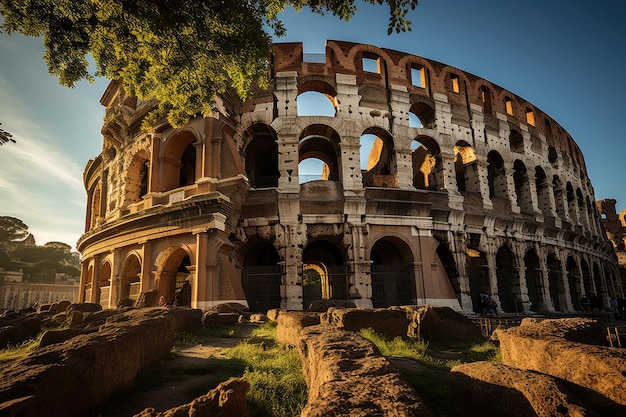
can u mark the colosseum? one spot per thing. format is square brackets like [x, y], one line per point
[404, 181]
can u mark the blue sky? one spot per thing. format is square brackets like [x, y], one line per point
[567, 58]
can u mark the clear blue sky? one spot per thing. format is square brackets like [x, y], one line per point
[568, 58]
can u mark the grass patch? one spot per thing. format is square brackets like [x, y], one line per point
[431, 379]
[277, 387]
[204, 335]
[13, 353]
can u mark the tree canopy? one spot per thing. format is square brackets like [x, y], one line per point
[12, 229]
[179, 52]
[5, 137]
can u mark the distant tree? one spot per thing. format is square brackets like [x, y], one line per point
[12, 229]
[59, 246]
[179, 52]
[5, 137]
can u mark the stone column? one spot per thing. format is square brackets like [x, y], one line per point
[146, 279]
[84, 278]
[291, 288]
[201, 286]
[95, 277]
[448, 176]
[510, 188]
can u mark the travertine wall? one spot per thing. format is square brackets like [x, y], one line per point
[485, 193]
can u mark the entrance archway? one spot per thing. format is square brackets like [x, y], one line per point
[324, 274]
[173, 277]
[393, 280]
[478, 275]
[575, 284]
[555, 279]
[261, 277]
[533, 279]
[449, 266]
[508, 281]
[130, 283]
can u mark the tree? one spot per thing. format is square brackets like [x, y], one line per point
[5, 137]
[179, 52]
[59, 246]
[12, 229]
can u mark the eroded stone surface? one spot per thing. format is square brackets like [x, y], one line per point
[347, 376]
[554, 347]
[388, 322]
[228, 399]
[72, 378]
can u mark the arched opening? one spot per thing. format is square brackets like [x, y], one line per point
[378, 159]
[314, 103]
[464, 155]
[575, 282]
[496, 175]
[543, 191]
[262, 162]
[137, 177]
[586, 276]
[553, 157]
[130, 284]
[319, 154]
[178, 166]
[393, 280]
[485, 96]
[104, 284]
[522, 187]
[557, 189]
[598, 295]
[516, 142]
[421, 115]
[449, 266]
[556, 284]
[508, 281]
[173, 278]
[261, 277]
[534, 281]
[478, 275]
[326, 274]
[427, 163]
[187, 174]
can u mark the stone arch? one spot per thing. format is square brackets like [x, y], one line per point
[261, 276]
[449, 265]
[104, 284]
[137, 178]
[522, 187]
[534, 279]
[543, 191]
[496, 175]
[130, 283]
[507, 275]
[464, 160]
[557, 189]
[328, 259]
[321, 142]
[516, 142]
[556, 282]
[172, 271]
[574, 280]
[599, 287]
[178, 166]
[316, 97]
[261, 157]
[478, 276]
[381, 169]
[425, 113]
[427, 164]
[393, 277]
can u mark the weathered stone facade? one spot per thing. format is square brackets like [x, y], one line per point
[615, 226]
[485, 194]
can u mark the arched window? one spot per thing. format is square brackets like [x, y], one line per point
[378, 159]
[427, 164]
[313, 103]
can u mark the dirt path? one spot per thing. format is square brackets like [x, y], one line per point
[180, 379]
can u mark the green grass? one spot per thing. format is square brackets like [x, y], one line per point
[277, 387]
[431, 378]
[13, 353]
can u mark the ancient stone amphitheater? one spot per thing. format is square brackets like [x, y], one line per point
[364, 174]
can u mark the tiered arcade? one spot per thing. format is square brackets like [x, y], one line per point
[436, 185]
